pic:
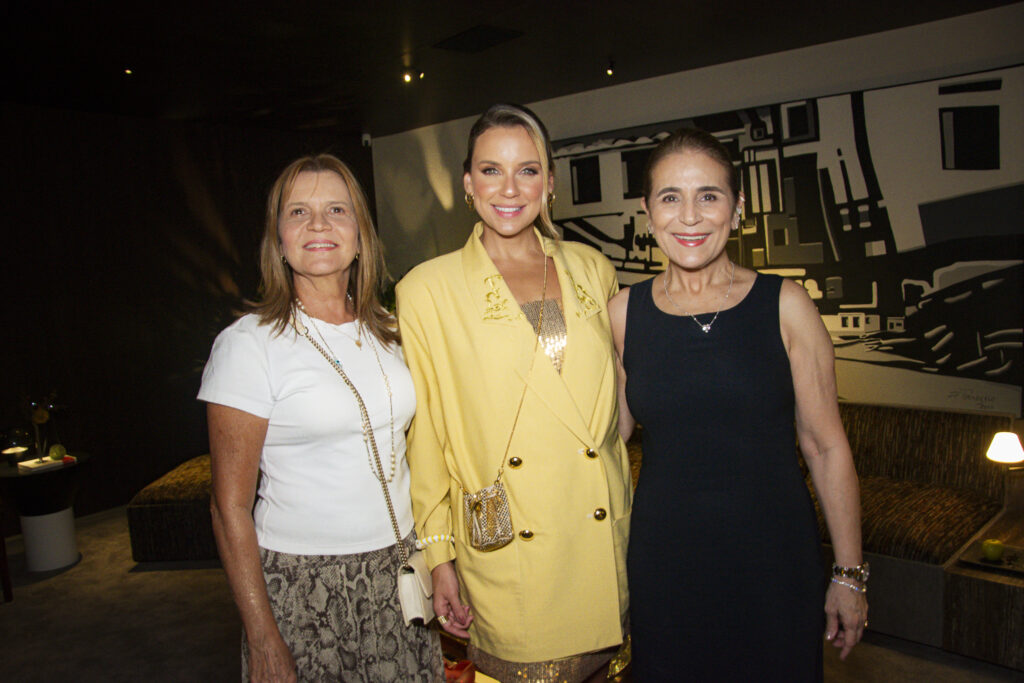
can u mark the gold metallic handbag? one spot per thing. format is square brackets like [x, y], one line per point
[488, 519]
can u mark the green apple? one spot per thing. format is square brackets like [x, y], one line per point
[57, 452]
[992, 549]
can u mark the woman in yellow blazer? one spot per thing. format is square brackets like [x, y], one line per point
[551, 604]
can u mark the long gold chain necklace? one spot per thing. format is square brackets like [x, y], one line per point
[327, 352]
[704, 327]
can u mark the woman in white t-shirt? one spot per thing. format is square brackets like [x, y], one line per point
[313, 567]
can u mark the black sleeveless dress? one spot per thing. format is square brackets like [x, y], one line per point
[725, 573]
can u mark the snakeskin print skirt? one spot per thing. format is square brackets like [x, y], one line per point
[340, 616]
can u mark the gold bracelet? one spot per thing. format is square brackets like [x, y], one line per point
[859, 573]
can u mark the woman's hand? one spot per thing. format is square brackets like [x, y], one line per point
[270, 661]
[457, 616]
[846, 616]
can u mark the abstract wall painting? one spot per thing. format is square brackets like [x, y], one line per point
[900, 210]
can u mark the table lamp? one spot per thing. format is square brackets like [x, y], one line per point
[1006, 449]
[15, 443]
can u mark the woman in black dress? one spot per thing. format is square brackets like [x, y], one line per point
[725, 574]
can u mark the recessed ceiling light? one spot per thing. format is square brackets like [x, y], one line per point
[127, 72]
[410, 74]
[611, 67]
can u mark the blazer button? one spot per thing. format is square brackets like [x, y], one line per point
[600, 513]
[515, 461]
[590, 453]
[526, 534]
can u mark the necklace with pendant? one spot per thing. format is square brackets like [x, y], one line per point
[358, 339]
[704, 327]
[327, 352]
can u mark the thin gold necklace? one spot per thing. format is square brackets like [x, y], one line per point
[358, 339]
[327, 352]
[704, 327]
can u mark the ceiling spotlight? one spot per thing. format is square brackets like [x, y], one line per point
[409, 75]
[127, 72]
[611, 67]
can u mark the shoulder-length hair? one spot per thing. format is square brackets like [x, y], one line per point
[367, 274]
[510, 116]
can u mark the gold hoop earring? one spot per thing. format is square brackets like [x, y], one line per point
[551, 201]
[469, 200]
[284, 260]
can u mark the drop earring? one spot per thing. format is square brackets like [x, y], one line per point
[469, 201]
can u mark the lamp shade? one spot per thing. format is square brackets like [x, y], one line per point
[16, 440]
[14, 444]
[1005, 448]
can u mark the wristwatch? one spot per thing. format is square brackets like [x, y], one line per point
[859, 573]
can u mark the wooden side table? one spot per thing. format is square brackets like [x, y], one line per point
[985, 606]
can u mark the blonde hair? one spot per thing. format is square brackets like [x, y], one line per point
[367, 274]
[511, 116]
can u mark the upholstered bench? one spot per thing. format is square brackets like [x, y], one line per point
[169, 520]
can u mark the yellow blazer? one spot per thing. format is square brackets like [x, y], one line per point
[560, 590]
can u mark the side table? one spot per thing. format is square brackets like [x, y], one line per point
[985, 606]
[43, 501]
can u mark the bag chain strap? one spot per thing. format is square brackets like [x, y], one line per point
[367, 434]
[533, 357]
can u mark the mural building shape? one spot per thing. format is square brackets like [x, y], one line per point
[900, 210]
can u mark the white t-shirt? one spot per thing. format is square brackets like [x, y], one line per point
[318, 494]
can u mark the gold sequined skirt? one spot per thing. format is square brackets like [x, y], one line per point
[574, 669]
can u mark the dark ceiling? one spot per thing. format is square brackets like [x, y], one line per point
[337, 65]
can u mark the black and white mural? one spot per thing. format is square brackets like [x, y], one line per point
[900, 210]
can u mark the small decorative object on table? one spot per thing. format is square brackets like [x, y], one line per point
[992, 549]
[41, 416]
[993, 554]
[41, 465]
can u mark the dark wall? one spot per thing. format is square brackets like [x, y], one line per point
[128, 244]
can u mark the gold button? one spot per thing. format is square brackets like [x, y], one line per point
[591, 453]
[515, 461]
[526, 534]
[600, 513]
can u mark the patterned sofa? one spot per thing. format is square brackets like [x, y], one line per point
[926, 490]
[169, 520]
